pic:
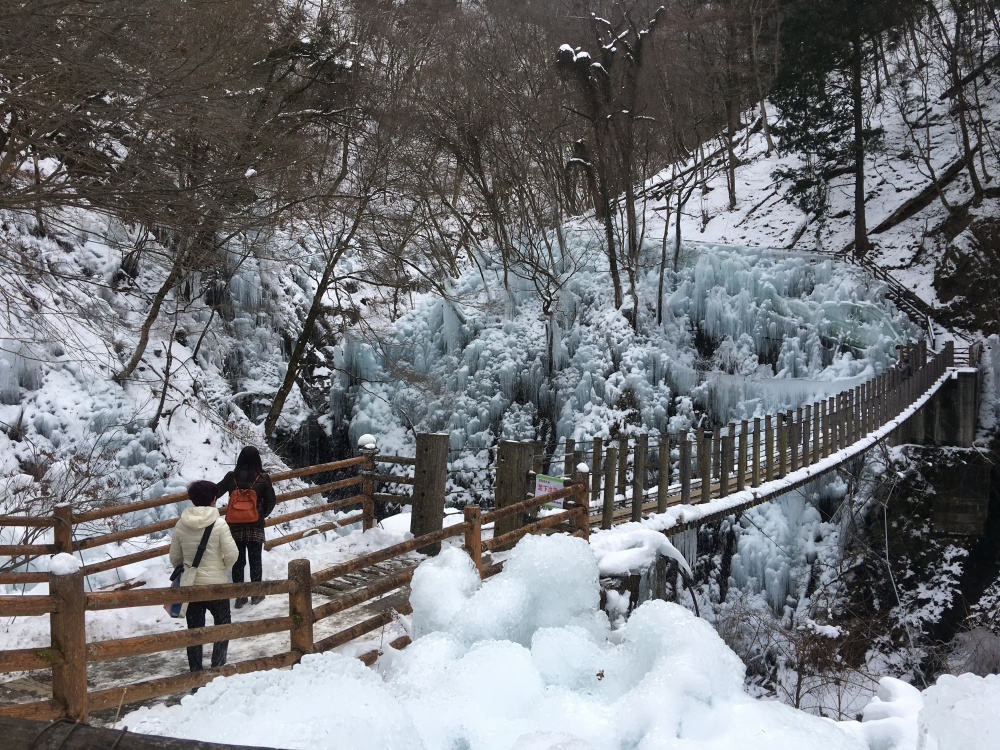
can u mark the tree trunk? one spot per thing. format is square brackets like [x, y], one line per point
[153, 314]
[857, 97]
[315, 309]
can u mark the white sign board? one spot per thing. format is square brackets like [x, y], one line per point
[544, 484]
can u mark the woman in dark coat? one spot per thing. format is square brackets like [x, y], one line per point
[249, 537]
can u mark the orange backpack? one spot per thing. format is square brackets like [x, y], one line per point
[243, 505]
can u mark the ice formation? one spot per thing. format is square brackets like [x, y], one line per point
[527, 660]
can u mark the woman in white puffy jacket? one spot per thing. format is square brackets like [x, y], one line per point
[219, 556]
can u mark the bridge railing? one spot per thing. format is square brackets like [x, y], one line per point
[648, 473]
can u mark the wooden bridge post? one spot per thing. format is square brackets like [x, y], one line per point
[795, 437]
[858, 419]
[623, 462]
[806, 429]
[513, 483]
[831, 410]
[863, 410]
[726, 468]
[473, 516]
[663, 458]
[705, 465]
[741, 458]
[597, 464]
[845, 415]
[639, 475]
[881, 407]
[62, 532]
[768, 449]
[782, 444]
[300, 607]
[608, 518]
[838, 421]
[816, 412]
[870, 406]
[717, 451]
[755, 477]
[684, 465]
[68, 634]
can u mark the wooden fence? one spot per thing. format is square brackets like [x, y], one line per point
[645, 473]
[70, 528]
[67, 603]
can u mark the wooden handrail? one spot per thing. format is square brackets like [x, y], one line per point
[14, 550]
[151, 644]
[42, 521]
[359, 596]
[23, 606]
[296, 535]
[365, 561]
[530, 503]
[139, 691]
[24, 659]
[202, 593]
[155, 502]
[544, 523]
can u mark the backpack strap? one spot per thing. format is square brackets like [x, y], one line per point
[202, 545]
[249, 486]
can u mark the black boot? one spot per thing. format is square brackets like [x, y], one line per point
[256, 599]
[241, 602]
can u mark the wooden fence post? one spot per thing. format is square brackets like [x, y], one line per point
[639, 475]
[816, 412]
[716, 452]
[726, 460]
[68, 633]
[300, 606]
[583, 519]
[806, 429]
[513, 482]
[782, 444]
[663, 458]
[684, 465]
[609, 487]
[474, 535]
[429, 479]
[623, 462]
[768, 449]
[705, 465]
[569, 468]
[62, 532]
[369, 451]
[597, 464]
[741, 458]
[755, 475]
[794, 427]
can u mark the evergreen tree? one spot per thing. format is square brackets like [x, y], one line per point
[828, 49]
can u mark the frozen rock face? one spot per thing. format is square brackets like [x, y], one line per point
[525, 660]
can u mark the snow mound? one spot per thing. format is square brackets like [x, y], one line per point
[960, 713]
[527, 660]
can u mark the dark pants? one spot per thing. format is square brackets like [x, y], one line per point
[252, 550]
[196, 619]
